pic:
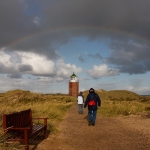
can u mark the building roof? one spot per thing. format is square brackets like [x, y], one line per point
[73, 75]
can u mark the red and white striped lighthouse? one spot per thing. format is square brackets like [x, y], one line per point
[73, 85]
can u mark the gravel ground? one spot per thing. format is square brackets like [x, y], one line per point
[120, 133]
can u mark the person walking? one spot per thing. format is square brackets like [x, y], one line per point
[80, 101]
[93, 101]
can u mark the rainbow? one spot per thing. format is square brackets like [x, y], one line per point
[55, 30]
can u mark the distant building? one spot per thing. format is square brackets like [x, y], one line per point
[73, 85]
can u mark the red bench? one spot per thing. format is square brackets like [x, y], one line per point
[19, 126]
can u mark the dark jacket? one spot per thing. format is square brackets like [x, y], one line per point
[95, 97]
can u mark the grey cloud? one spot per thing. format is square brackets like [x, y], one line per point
[93, 56]
[95, 17]
[6, 69]
[81, 59]
[128, 16]
[14, 22]
[45, 75]
[17, 76]
[130, 57]
[25, 68]
[133, 69]
[43, 44]
[18, 31]
[96, 56]
[119, 15]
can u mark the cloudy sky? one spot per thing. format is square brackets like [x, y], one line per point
[105, 43]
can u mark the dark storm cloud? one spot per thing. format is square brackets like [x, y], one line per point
[129, 16]
[17, 19]
[43, 44]
[14, 24]
[130, 57]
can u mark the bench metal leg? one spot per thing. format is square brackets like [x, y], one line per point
[26, 140]
[45, 133]
[45, 129]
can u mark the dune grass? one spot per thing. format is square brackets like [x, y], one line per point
[111, 108]
[52, 107]
[121, 102]
[55, 106]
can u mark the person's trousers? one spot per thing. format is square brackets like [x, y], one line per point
[92, 115]
[80, 108]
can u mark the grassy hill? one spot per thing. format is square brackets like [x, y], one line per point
[55, 106]
[116, 95]
[17, 96]
[20, 96]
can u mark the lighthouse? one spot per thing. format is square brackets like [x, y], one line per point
[73, 85]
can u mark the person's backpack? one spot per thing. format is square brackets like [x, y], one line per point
[92, 102]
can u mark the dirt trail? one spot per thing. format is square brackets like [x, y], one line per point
[131, 133]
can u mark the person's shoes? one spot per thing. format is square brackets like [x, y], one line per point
[93, 124]
[90, 123]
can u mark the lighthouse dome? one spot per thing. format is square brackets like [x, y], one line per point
[73, 78]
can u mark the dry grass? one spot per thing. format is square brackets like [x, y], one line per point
[116, 95]
[51, 106]
[54, 106]
[115, 108]
[121, 102]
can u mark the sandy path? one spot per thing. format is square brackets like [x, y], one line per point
[131, 133]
